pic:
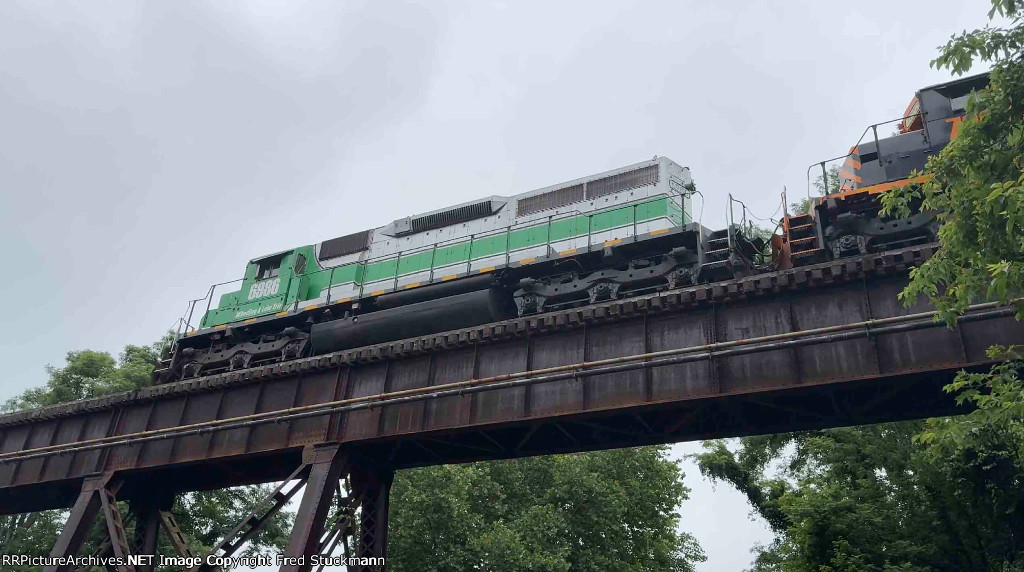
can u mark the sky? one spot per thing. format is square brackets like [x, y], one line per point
[149, 149]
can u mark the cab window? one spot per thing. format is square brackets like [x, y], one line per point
[269, 267]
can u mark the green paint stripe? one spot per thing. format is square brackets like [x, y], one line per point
[536, 235]
[313, 283]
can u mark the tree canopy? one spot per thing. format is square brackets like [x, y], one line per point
[607, 510]
[874, 498]
[940, 494]
[204, 517]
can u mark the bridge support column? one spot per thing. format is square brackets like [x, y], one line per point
[375, 488]
[147, 514]
[82, 516]
[368, 489]
[328, 465]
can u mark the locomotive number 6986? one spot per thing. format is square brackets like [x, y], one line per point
[265, 288]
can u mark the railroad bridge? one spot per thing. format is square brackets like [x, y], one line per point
[818, 346]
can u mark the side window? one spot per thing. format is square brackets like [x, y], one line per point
[300, 264]
[269, 268]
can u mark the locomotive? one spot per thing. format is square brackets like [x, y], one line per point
[615, 234]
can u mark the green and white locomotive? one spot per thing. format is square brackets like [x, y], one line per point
[617, 233]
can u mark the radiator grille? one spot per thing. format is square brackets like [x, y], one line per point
[550, 200]
[453, 216]
[622, 181]
[343, 245]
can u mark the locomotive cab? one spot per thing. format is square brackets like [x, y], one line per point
[271, 283]
[847, 220]
[930, 121]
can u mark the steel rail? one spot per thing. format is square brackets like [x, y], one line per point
[663, 358]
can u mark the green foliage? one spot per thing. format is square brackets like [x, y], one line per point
[874, 498]
[31, 534]
[205, 517]
[608, 510]
[89, 373]
[977, 184]
[942, 494]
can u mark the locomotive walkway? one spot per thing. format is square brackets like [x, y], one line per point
[812, 347]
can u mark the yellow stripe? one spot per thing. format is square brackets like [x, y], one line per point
[567, 252]
[486, 269]
[342, 300]
[886, 186]
[412, 285]
[250, 320]
[659, 231]
[612, 242]
[528, 260]
[377, 293]
[220, 327]
[285, 313]
[875, 189]
[449, 277]
[312, 306]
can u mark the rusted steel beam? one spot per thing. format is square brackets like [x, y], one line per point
[328, 464]
[375, 490]
[258, 516]
[527, 378]
[80, 520]
[679, 365]
[793, 280]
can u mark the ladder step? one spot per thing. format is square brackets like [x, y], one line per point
[714, 265]
[803, 240]
[800, 227]
[807, 252]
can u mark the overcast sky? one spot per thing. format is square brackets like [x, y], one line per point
[149, 149]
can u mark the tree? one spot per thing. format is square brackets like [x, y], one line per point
[873, 498]
[977, 188]
[977, 185]
[941, 494]
[803, 206]
[205, 517]
[607, 510]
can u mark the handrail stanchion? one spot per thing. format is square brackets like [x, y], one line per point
[729, 223]
[433, 260]
[330, 284]
[398, 262]
[878, 153]
[634, 219]
[590, 230]
[210, 301]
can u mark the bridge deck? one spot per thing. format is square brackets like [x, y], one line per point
[811, 347]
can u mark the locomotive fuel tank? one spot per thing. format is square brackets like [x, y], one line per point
[415, 319]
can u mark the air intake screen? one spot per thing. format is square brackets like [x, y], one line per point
[453, 216]
[343, 245]
[550, 200]
[622, 181]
